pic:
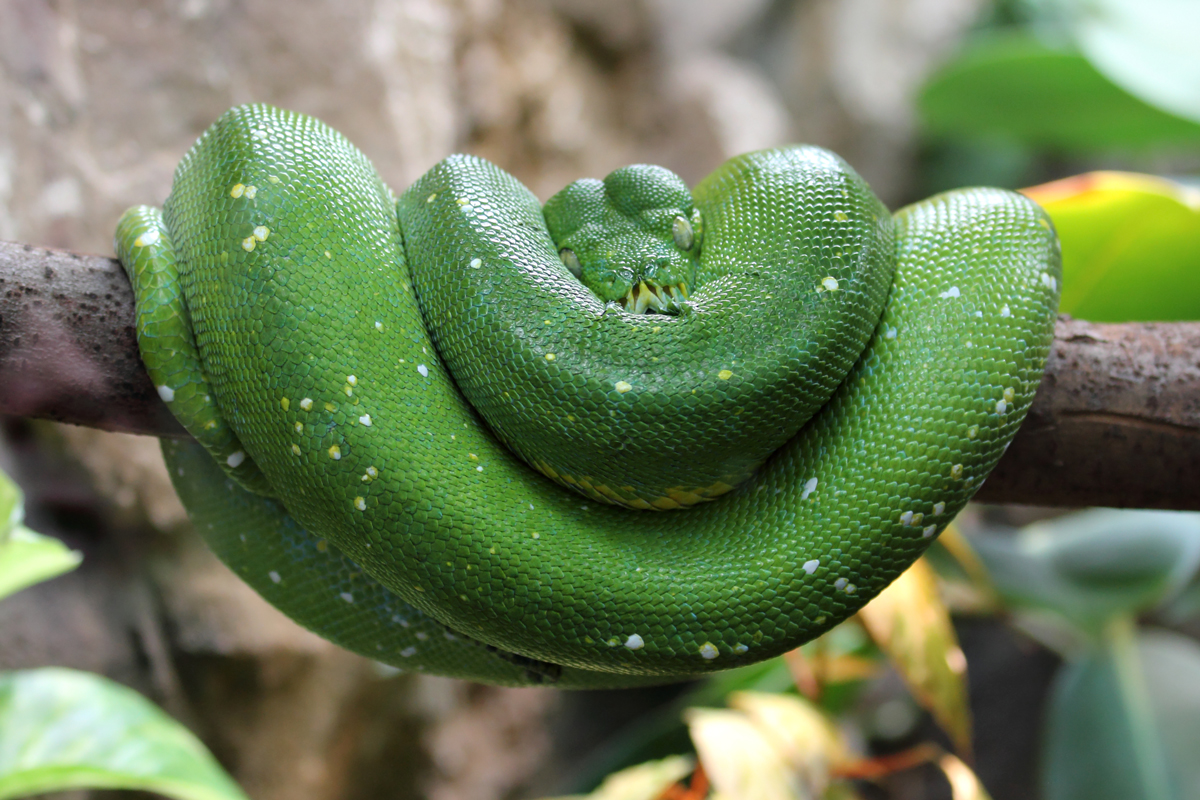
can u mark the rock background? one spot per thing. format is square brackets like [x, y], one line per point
[98, 101]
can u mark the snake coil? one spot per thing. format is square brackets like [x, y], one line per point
[319, 338]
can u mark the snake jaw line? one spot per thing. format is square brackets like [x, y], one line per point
[648, 296]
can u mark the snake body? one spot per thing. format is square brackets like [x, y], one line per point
[290, 311]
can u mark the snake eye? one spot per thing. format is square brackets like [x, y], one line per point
[681, 229]
[571, 261]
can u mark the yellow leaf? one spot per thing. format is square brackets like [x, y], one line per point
[964, 784]
[642, 782]
[741, 762]
[910, 623]
[800, 731]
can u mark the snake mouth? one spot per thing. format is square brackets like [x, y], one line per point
[648, 297]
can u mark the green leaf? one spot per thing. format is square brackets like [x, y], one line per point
[12, 506]
[1015, 88]
[1093, 566]
[61, 729]
[1124, 721]
[1171, 666]
[27, 558]
[1148, 47]
[1130, 246]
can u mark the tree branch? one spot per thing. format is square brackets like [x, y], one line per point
[1116, 421]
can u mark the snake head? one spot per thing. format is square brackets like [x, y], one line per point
[633, 238]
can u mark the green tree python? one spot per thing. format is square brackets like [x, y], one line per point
[637, 435]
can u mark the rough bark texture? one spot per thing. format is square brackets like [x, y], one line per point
[67, 346]
[1116, 421]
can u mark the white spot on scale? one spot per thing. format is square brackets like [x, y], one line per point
[1001, 406]
[1005, 312]
[929, 531]
[422, 636]
[1049, 282]
[378, 325]
[891, 333]
[811, 566]
[979, 313]
[360, 504]
[306, 403]
[408, 652]
[708, 651]
[740, 648]
[829, 284]
[424, 370]
[274, 576]
[235, 459]
[906, 518]
[840, 584]
[365, 419]
[146, 239]
[951, 292]
[166, 393]
[810, 486]
[261, 233]
[635, 642]
[353, 381]
[349, 598]
[479, 468]
[476, 263]
[939, 509]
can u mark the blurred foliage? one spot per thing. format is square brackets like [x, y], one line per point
[1045, 88]
[1015, 88]
[61, 729]
[1130, 244]
[784, 733]
[912, 626]
[1124, 711]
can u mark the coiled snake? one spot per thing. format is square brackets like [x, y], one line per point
[354, 366]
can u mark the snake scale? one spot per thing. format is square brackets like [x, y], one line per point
[458, 432]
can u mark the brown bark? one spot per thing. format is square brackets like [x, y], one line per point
[1116, 421]
[68, 351]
